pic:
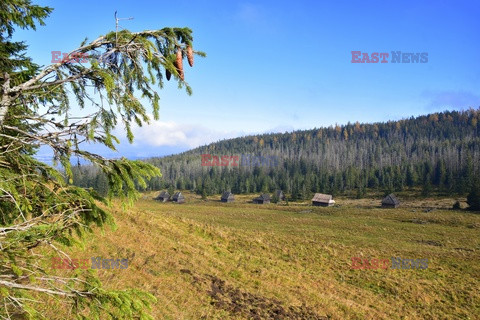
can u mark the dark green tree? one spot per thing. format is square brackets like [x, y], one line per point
[204, 194]
[473, 198]
[171, 190]
[38, 204]
[275, 198]
[411, 176]
[427, 186]
[440, 174]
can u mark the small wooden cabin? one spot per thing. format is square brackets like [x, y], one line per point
[178, 198]
[390, 201]
[323, 200]
[164, 196]
[279, 195]
[262, 199]
[227, 196]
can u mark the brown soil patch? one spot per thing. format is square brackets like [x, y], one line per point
[248, 305]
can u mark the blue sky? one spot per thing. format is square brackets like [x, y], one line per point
[283, 65]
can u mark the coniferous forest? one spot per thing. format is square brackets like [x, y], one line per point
[437, 152]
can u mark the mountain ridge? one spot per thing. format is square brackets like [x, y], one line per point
[433, 151]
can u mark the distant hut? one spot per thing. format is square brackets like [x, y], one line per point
[164, 196]
[279, 195]
[322, 200]
[263, 199]
[227, 196]
[390, 201]
[178, 198]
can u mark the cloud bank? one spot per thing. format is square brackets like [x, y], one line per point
[450, 99]
[161, 133]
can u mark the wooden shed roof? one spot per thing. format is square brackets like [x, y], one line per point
[324, 198]
[164, 194]
[264, 196]
[227, 195]
[391, 200]
[178, 195]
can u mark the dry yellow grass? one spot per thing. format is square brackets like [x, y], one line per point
[296, 258]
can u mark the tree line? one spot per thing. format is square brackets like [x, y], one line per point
[436, 152]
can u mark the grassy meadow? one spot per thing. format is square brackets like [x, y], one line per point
[212, 260]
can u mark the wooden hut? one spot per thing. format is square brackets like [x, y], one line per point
[164, 196]
[323, 200]
[178, 198]
[262, 199]
[227, 196]
[390, 201]
[279, 195]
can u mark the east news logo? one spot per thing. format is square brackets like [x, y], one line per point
[396, 263]
[396, 57]
[96, 263]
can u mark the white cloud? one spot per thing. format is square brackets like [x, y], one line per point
[162, 133]
[448, 99]
[162, 138]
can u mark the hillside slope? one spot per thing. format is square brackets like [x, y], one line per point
[440, 150]
[208, 260]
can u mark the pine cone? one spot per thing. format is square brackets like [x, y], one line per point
[168, 74]
[190, 55]
[179, 64]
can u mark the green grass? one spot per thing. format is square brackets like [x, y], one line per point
[296, 258]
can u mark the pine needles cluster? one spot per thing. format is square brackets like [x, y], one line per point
[39, 206]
